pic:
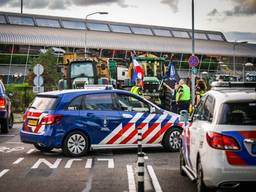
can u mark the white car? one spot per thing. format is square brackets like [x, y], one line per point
[219, 144]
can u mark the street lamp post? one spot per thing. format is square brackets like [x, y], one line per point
[236, 43]
[193, 54]
[86, 17]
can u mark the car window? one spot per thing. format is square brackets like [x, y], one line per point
[2, 89]
[131, 103]
[98, 102]
[205, 109]
[75, 104]
[44, 103]
[238, 113]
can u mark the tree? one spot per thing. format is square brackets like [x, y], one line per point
[51, 75]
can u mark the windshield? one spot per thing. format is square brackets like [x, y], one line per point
[82, 69]
[239, 113]
[44, 103]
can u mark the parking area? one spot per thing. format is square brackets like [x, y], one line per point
[25, 168]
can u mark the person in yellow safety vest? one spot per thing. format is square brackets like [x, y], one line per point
[137, 89]
[182, 96]
[200, 90]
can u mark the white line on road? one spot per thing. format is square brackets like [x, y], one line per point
[2, 173]
[13, 142]
[30, 151]
[88, 164]
[131, 181]
[154, 179]
[18, 161]
[145, 157]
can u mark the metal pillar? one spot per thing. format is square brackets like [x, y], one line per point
[193, 53]
[140, 162]
[26, 65]
[10, 65]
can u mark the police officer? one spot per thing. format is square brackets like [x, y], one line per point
[200, 90]
[137, 89]
[182, 96]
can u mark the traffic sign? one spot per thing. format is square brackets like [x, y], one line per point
[193, 61]
[38, 69]
[37, 89]
[38, 80]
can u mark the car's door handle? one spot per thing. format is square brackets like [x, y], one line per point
[125, 115]
[249, 141]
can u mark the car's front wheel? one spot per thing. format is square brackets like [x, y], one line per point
[76, 144]
[172, 139]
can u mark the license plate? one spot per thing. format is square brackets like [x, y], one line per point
[254, 148]
[32, 122]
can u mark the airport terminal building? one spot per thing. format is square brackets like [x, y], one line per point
[24, 36]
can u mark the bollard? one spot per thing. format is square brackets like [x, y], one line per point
[140, 162]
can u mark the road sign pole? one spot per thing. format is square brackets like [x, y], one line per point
[193, 54]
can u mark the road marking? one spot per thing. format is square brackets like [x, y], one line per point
[18, 161]
[7, 135]
[88, 164]
[30, 151]
[8, 150]
[49, 164]
[145, 157]
[2, 173]
[110, 162]
[154, 179]
[14, 142]
[131, 180]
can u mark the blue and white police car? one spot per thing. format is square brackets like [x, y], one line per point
[219, 145]
[76, 120]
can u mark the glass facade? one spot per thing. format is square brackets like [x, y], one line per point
[120, 28]
[2, 19]
[21, 20]
[97, 26]
[47, 22]
[73, 24]
[162, 32]
[180, 34]
[142, 31]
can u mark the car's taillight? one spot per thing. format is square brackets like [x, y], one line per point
[50, 119]
[2, 103]
[220, 141]
[25, 116]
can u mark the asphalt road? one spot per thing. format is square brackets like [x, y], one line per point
[23, 168]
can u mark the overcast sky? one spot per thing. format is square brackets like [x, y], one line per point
[218, 15]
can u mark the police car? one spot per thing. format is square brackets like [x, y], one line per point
[219, 145]
[76, 120]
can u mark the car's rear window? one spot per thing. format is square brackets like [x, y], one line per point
[44, 103]
[239, 113]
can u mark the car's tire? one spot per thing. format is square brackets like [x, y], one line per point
[199, 181]
[172, 139]
[182, 163]
[4, 126]
[11, 120]
[43, 148]
[76, 144]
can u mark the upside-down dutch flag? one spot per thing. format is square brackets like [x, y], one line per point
[138, 72]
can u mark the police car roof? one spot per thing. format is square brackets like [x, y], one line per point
[81, 91]
[234, 91]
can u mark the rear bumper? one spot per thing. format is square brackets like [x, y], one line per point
[44, 139]
[219, 173]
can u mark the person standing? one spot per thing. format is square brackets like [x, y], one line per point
[200, 90]
[137, 89]
[182, 96]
